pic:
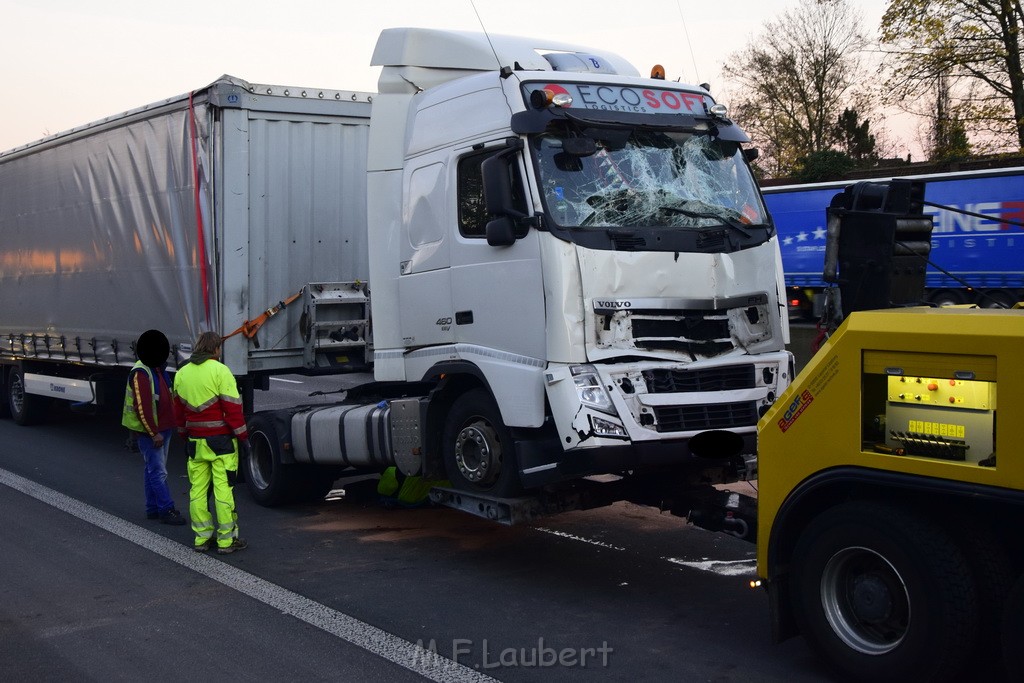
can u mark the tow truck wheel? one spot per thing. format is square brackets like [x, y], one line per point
[25, 409]
[478, 451]
[994, 577]
[884, 595]
[1013, 632]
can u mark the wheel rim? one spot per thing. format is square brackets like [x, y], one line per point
[478, 452]
[997, 300]
[865, 601]
[17, 394]
[259, 464]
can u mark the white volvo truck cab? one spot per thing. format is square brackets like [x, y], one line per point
[572, 273]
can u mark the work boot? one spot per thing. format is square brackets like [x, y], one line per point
[172, 517]
[237, 544]
[203, 547]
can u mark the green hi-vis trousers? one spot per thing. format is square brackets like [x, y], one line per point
[203, 467]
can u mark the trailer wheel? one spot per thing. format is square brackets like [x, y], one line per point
[478, 451]
[884, 595]
[1013, 632]
[26, 409]
[997, 299]
[270, 482]
[5, 405]
[947, 297]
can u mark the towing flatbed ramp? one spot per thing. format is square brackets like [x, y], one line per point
[705, 506]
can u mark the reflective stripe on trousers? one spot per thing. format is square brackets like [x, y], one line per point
[204, 468]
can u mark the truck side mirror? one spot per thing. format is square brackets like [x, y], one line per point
[501, 232]
[751, 154]
[497, 186]
[499, 200]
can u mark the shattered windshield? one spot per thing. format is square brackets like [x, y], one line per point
[651, 179]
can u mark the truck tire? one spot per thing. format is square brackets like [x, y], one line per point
[997, 299]
[477, 448]
[947, 297]
[25, 409]
[994, 576]
[884, 595]
[1012, 628]
[270, 482]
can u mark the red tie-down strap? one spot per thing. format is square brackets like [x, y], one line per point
[250, 327]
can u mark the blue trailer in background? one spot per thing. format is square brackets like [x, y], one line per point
[986, 253]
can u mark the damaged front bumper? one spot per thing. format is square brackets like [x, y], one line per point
[611, 418]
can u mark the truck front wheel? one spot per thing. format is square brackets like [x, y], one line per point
[884, 595]
[478, 451]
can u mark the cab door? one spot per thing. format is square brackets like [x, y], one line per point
[497, 292]
[424, 282]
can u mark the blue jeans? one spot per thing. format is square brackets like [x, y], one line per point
[158, 495]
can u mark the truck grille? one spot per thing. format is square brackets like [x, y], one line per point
[692, 327]
[702, 417]
[718, 379]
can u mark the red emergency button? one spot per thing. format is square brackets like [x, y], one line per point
[932, 386]
[952, 399]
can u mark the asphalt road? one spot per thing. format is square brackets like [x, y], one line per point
[346, 590]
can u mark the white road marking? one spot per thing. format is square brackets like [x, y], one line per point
[281, 379]
[392, 648]
[722, 567]
[591, 541]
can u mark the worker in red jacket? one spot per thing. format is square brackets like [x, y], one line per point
[149, 417]
[208, 412]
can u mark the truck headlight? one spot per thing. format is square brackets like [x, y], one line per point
[604, 427]
[590, 389]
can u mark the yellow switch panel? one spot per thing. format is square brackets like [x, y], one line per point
[948, 393]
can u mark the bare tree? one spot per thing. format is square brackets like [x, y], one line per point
[793, 80]
[975, 45]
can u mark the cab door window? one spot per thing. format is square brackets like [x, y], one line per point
[471, 208]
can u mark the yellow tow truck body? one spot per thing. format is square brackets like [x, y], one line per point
[891, 494]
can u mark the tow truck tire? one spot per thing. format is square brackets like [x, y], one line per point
[1013, 633]
[994, 578]
[477, 448]
[25, 409]
[884, 595]
[270, 482]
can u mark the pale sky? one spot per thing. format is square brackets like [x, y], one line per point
[64, 63]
